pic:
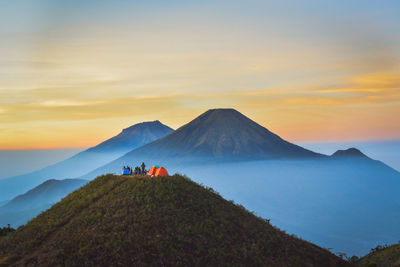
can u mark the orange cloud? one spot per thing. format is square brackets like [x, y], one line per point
[383, 82]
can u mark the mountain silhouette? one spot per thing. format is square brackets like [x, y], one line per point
[26, 206]
[141, 221]
[83, 162]
[226, 133]
[132, 137]
[216, 135]
[359, 160]
[349, 153]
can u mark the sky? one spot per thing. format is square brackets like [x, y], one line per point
[74, 73]
[17, 162]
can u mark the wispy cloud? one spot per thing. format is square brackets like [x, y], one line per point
[305, 72]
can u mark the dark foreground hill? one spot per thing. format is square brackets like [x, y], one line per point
[85, 161]
[387, 257]
[134, 221]
[26, 206]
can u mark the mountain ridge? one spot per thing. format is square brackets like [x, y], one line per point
[133, 136]
[215, 135]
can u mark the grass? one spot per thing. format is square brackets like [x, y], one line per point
[142, 221]
[6, 230]
[388, 257]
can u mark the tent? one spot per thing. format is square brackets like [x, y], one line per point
[157, 171]
[126, 172]
[161, 172]
[152, 171]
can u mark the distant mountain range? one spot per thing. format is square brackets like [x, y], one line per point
[134, 221]
[218, 135]
[85, 161]
[223, 134]
[26, 206]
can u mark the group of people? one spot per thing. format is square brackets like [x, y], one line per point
[139, 170]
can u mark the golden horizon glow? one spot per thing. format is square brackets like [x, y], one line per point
[82, 74]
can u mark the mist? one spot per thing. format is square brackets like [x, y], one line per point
[346, 206]
[16, 162]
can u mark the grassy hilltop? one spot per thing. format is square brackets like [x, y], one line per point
[386, 257]
[116, 220]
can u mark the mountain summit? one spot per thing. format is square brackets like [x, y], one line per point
[133, 137]
[349, 153]
[140, 221]
[226, 133]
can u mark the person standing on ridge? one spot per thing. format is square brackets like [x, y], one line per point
[143, 168]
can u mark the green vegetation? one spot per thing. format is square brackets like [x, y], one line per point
[6, 230]
[141, 221]
[382, 256]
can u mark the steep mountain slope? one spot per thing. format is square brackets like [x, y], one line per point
[130, 138]
[142, 221]
[216, 135]
[387, 257]
[24, 207]
[226, 133]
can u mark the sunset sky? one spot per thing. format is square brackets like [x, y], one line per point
[74, 73]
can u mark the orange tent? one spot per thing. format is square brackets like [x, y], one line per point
[161, 172]
[152, 171]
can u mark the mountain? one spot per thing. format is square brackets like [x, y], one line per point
[140, 221]
[349, 153]
[216, 135]
[225, 134]
[382, 257]
[26, 206]
[133, 137]
[358, 159]
[130, 138]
